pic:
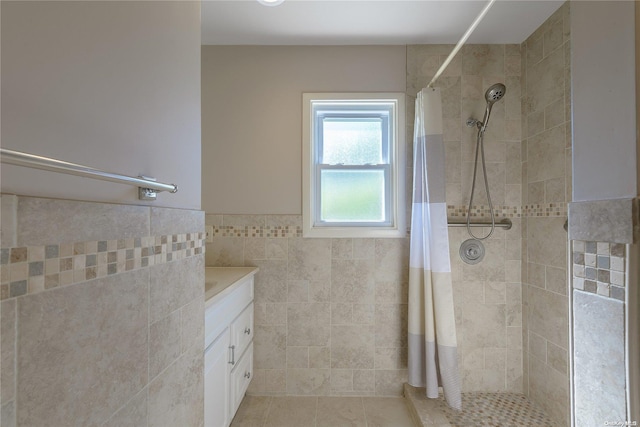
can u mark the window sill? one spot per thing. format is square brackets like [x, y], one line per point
[353, 232]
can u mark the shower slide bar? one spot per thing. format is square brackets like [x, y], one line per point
[504, 223]
[148, 187]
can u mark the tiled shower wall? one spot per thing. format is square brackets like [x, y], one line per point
[546, 172]
[331, 314]
[487, 296]
[101, 314]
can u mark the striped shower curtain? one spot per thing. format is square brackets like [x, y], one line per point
[433, 360]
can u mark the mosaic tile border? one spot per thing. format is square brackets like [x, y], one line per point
[453, 211]
[549, 209]
[257, 231]
[456, 211]
[31, 269]
[538, 210]
[600, 268]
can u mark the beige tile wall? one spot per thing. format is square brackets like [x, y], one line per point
[546, 171]
[123, 348]
[487, 295]
[331, 313]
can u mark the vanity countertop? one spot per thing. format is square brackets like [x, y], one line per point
[220, 281]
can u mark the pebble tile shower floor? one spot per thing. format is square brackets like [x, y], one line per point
[478, 410]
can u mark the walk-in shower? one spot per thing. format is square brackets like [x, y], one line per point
[472, 250]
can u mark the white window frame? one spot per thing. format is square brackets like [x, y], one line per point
[394, 171]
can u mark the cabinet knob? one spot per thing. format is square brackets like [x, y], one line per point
[247, 375]
[247, 331]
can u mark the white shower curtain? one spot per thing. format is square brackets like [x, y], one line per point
[433, 359]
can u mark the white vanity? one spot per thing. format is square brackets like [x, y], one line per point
[228, 341]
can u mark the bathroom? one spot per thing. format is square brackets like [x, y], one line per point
[315, 299]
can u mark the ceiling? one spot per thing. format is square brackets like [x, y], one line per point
[369, 22]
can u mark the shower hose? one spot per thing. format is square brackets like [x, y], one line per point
[480, 148]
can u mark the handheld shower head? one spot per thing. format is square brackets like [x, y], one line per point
[495, 93]
[492, 95]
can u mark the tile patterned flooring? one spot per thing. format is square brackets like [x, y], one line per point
[478, 410]
[498, 410]
[290, 411]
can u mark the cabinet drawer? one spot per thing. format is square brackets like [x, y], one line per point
[241, 376]
[242, 330]
[217, 317]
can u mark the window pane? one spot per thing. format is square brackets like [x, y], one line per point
[352, 196]
[352, 141]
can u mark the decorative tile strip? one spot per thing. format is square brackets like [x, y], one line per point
[27, 270]
[453, 211]
[257, 231]
[599, 268]
[549, 209]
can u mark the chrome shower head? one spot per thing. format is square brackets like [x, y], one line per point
[495, 93]
[492, 95]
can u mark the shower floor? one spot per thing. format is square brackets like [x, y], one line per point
[478, 410]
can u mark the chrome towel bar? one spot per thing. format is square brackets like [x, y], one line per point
[504, 223]
[148, 187]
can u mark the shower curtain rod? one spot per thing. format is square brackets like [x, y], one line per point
[461, 43]
[147, 187]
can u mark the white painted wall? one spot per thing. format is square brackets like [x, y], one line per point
[603, 90]
[252, 116]
[112, 85]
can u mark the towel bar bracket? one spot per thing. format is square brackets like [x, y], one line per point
[147, 194]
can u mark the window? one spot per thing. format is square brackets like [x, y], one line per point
[353, 165]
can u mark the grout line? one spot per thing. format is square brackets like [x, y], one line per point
[147, 407]
[315, 418]
[364, 410]
[266, 413]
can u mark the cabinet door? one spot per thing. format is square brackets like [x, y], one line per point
[216, 382]
[241, 376]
